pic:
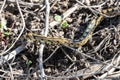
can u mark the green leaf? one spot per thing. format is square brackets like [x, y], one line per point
[29, 62]
[64, 24]
[6, 33]
[58, 18]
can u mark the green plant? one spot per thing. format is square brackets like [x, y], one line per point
[64, 24]
[58, 18]
[29, 62]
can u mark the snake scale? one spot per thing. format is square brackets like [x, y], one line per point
[84, 38]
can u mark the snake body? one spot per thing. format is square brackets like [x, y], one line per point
[84, 38]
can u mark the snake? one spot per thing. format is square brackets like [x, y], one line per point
[83, 39]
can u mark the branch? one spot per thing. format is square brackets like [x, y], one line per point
[42, 45]
[12, 54]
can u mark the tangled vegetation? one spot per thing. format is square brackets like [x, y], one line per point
[47, 56]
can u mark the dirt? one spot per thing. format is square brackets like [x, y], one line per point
[62, 61]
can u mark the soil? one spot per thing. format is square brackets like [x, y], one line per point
[60, 62]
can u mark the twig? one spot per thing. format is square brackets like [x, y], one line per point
[114, 75]
[20, 32]
[81, 53]
[99, 46]
[21, 2]
[42, 73]
[2, 6]
[51, 54]
[12, 54]
[115, 64]
[53, 4]
[11, 71]
[64, 15]
[67, 55]
[96, 11]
